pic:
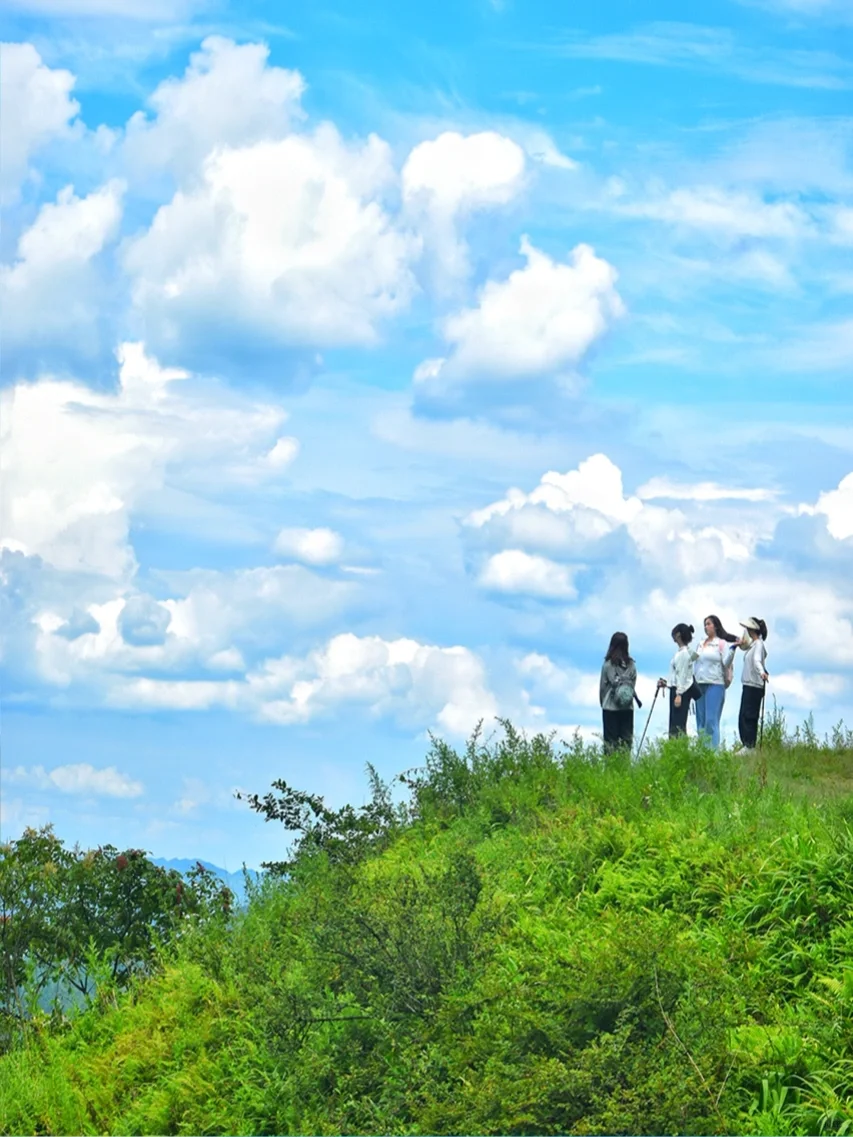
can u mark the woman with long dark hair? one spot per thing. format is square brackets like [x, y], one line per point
[712, 671]
[754, 678]
[616, 694]
[680, 680]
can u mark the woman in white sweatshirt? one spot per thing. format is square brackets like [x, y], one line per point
[754, 678]
[680, 679]
[712, 670]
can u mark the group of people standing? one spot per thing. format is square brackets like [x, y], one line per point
[700, 674]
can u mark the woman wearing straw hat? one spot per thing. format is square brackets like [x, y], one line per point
[754, 678]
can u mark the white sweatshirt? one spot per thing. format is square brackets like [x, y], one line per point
[753, 664]
[712, 657]
[681, 670]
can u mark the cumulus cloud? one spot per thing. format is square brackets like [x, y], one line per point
[228, 96]
[206, 621]
[76, 463]
[37, 109]
[837, 507]
[77, 778]
[641, 567]
[402, 679]
[315, 546]
[448, 177]
[541, 320]
[52, 293]
[516, 571]
[576, 511]
[588, 504]
[282, 243]
[596, 485]
[458, 172]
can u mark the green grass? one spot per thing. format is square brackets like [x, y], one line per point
[550, 942]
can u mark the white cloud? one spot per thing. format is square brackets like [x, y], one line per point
[573, 512]
[641, 567]
[229, 96]
[229, 659]
[456, 172]
[577, 688]
[77, 778]
[542, 319]
[76, 463]
[701, 491]
[515, 571]
[570, 686]
[282, 454]
[728, 214]
[541, 148]
[37, 109]
[411, 682]
[805, 690]
[596, 485]
[51, 293]
[207, 619]
[837, 506]
[448, 177]
[282, 242]
[315, 546]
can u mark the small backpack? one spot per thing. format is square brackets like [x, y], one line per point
[728, 670]
[623, 695]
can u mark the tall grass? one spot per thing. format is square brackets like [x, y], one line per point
[543, 940]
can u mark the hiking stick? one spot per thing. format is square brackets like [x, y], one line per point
[761, 723]
[648, 720]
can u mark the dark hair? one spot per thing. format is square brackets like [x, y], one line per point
[762, 627]
[618, 650]
[722, 634]
[684, 632]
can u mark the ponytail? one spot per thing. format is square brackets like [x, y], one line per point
[762, 627]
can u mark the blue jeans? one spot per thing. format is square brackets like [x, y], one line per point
[709, 710]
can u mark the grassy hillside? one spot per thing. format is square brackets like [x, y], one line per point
[540, 941]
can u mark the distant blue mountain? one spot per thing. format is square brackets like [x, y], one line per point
[234, 880]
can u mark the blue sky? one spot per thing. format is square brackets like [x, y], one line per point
[365, 368]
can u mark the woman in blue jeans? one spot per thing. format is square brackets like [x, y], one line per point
[712, 670]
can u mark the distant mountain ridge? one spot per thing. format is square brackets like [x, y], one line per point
[234, 880]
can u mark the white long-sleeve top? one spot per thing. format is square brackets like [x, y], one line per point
[681, 670]
[712, 658]
[754, 664]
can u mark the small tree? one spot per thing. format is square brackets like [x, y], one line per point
[69, 916]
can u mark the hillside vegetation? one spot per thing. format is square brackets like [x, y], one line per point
[538, 940]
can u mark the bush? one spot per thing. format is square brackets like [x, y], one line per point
[541, 940]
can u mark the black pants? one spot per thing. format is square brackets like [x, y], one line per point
[750, 710]
[618, 729]
[678, 715]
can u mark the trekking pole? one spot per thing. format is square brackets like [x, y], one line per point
[648, 720]
[761, 723]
